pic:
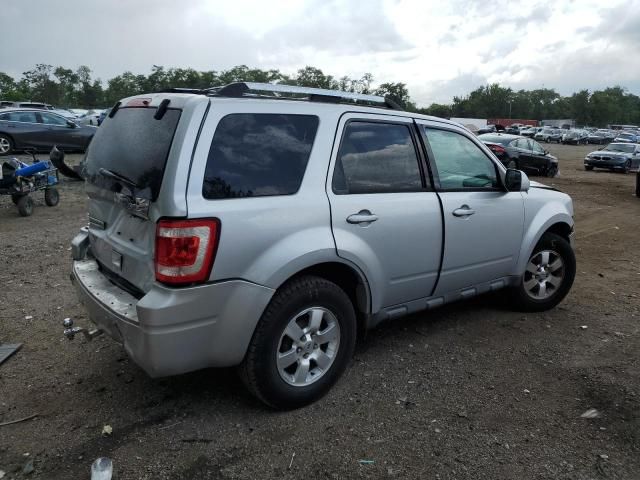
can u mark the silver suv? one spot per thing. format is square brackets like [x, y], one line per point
[266, 227]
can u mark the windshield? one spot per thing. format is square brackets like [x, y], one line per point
[626, 135]
[619, 147]
[132, 145]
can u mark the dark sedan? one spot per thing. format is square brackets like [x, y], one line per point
[516, 151]
[40, 130]
[615, 156]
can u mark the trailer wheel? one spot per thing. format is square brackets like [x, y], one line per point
[51, 197]
[25, 206]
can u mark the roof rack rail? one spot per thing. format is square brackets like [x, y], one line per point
[241, 89]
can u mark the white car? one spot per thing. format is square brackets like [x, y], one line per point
[91, 117]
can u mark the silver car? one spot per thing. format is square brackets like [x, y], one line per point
[266, 227]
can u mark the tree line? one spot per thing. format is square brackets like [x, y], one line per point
[65, 87]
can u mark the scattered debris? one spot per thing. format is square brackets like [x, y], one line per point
[591, 413]
[463, 414]
[8, 349]
[367, 462]
[437, 430]
[526, 391]
[102, 469]
[107, 430]
[28, 467]
[291, 462]
[604, 456]
[2, 473]
[28, 317]
[584, 327]
[11, 422]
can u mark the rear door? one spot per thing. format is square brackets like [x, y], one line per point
[23, 127]
[385, 216]
[483, 222]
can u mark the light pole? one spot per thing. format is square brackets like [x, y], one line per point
[510, 102]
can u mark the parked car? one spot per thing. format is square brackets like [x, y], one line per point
[37, 105]
[102, 116]
[91, 117]
[543, 134]
[575, 137]
[78, 112]
[267, 232]
[528, 132]
[597, 137]
[622, 157]
[64, 113]
[626, 138]
[40, 130]
[515, 151]
[488, 129]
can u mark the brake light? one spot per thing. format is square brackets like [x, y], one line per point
[185, 250]
[497, 149]
[138, 102]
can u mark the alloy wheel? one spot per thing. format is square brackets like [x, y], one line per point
[308, 346]
[544, 274]
[5, 145]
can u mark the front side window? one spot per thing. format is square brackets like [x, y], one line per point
[376, 158]
[258, 154]
[523, 143]
[459, 163]
[537, 148]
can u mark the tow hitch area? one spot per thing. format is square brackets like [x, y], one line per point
[70, 331]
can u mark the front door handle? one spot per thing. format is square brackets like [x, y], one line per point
[363, 216]
[463, 211]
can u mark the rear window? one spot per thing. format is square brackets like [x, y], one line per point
[495, 138]
[257, 155]
[133, 145]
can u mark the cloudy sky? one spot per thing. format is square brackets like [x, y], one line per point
[438, 48]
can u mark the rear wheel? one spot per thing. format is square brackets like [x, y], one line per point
[302, 344]
[548, 276]
[25, 206]
[6, 144]
[51, 197]
[588, 167]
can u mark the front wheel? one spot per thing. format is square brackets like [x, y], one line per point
[25, 206]
[626, 167]
[552, 171]
[548, 277]
[51, 197]
[302, 343]
[588, 168]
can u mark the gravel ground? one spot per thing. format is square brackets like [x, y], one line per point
[469, 391]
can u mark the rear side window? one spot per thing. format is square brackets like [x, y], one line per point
[376, 158]
[258, 154]
[135, 146]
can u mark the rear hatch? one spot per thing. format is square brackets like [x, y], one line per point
[124, 169]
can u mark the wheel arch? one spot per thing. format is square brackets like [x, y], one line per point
[13, 140]
[348, 277]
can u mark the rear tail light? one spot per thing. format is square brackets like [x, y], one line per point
[185, 250]
[497, 149]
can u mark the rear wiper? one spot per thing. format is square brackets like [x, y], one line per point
[117, 176]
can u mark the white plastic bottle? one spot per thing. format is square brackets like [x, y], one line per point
[102, 469]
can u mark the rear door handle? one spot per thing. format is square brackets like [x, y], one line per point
[463, 211]
[363, 216]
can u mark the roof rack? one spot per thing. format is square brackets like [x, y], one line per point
[251, 89]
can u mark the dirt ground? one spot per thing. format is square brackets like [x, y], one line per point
[471, 391]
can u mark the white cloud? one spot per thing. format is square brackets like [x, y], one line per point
[439, 49]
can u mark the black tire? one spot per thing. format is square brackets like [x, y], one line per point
[51, 197]
[512, 164]
[16, 197]
[259, 370]
[522, 300]
[25, 206]
[626, 167]
[6, 144]
[552, 171]
[588, 168]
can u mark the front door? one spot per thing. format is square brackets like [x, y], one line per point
[56, 132]
[385, 216]
[483, 222]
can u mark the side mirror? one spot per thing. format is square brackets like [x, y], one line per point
[70, 124]
[516, 181]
